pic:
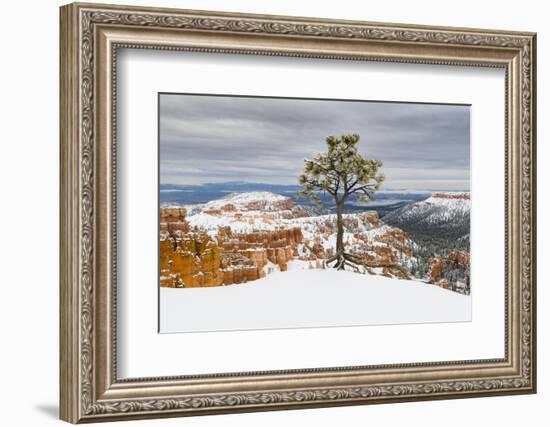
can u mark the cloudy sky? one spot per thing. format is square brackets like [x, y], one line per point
[206, 139]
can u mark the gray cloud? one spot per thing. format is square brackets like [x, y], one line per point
[227, 138]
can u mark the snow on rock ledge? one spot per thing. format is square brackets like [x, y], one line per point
[251, 201]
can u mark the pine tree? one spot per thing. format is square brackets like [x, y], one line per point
[341, 171]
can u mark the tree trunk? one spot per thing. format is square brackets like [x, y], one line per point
[339, 236]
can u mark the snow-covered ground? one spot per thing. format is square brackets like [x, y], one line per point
[302, 298]
[242, 199]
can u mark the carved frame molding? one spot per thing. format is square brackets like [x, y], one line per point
[90, 390]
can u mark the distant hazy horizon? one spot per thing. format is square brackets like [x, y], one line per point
[211, 139]
[427, 190]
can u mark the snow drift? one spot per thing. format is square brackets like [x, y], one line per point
[302, 298]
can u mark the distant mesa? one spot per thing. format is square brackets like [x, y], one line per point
[458, 196]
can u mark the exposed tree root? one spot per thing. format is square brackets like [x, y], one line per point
[355, 263]
[344, 259]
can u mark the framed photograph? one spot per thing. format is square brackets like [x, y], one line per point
[267, 212]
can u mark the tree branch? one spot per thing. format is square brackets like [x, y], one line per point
[365, 189]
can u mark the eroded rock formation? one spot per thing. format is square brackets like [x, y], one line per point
[462, 196]
[190, 257]
[245, 237]
[452, 269]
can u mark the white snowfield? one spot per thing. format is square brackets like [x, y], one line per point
[240, 200]
[303, 298]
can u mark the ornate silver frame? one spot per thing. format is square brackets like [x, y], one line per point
[90, 36]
